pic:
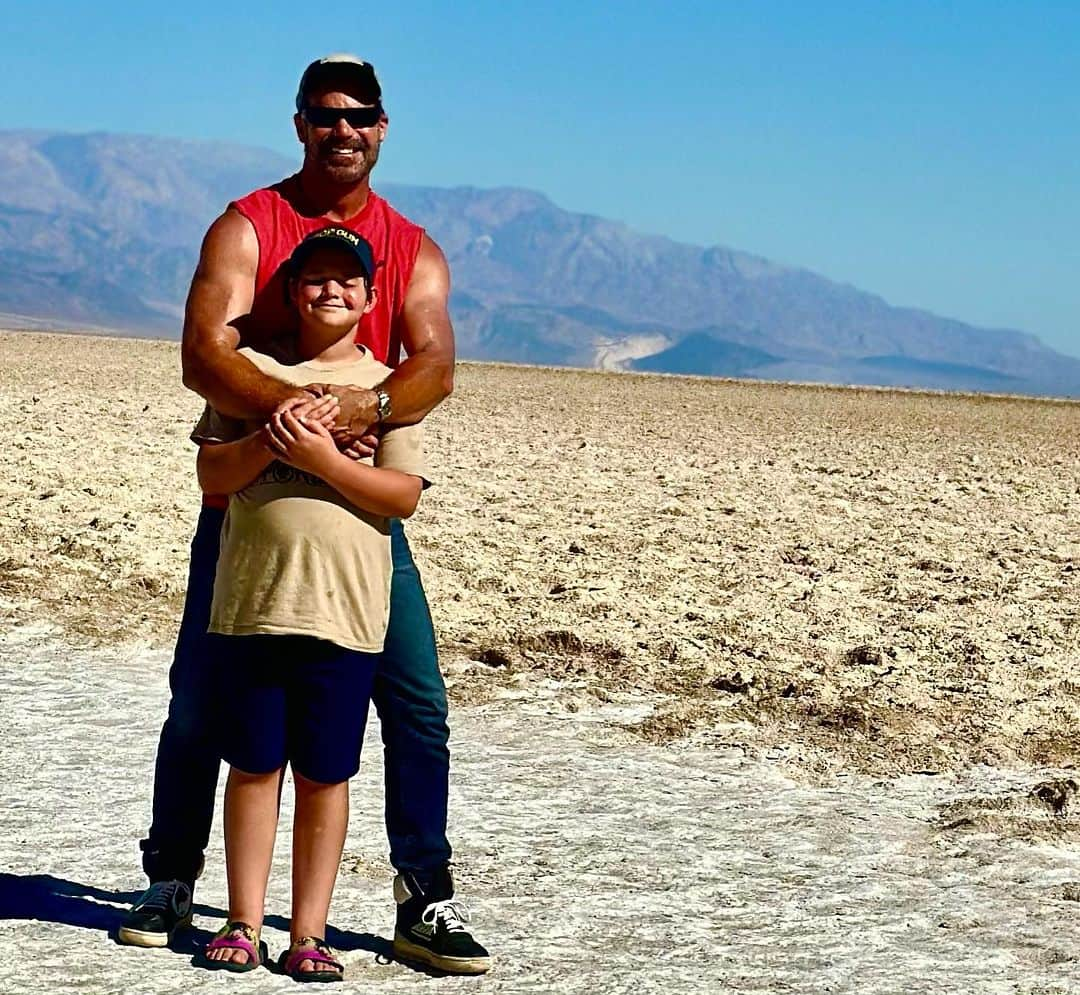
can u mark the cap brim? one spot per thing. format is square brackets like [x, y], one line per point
[307, 248]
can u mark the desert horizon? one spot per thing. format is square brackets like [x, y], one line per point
[22, 324]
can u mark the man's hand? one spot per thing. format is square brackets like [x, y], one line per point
[308, 447]
[359, 409]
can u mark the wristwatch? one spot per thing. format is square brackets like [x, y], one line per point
[382, 412]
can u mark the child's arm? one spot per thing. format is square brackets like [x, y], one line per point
[228, 467]
[376, 489]
[310, 447]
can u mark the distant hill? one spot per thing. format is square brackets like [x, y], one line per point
[706, 354]
[104, 229]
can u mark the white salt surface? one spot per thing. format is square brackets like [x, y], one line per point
[592, 864]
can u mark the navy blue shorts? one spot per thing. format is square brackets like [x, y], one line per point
[292, 699]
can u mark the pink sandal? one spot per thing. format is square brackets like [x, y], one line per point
[234, 935]
[313, 949]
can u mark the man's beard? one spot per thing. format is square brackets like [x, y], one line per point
[339, 169]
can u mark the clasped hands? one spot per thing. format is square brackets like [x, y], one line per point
[311, 428]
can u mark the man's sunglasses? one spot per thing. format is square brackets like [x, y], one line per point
[354, 117]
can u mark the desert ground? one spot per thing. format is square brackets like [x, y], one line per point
[758, 687]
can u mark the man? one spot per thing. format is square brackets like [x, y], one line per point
[238, 297]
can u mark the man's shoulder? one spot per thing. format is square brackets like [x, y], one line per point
[263, 197]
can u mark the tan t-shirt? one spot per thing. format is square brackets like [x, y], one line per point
[296, 557]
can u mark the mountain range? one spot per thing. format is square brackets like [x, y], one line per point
[102, 230]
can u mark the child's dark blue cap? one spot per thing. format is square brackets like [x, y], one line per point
[337, 238]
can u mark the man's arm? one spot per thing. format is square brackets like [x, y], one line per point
[223, 290]
[426, 376]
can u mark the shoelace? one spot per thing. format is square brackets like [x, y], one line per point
[451, 915]
[158, 896]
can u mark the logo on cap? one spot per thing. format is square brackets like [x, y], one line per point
[335, 235]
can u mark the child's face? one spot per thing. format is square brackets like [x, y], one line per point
[329, 291]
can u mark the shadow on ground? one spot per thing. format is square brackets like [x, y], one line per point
[45, 898]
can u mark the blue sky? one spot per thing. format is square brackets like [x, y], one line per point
[927, 152]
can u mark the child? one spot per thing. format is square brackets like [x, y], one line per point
[301, 600]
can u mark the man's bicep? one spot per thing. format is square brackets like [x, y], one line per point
[222, 289]
[425, 325]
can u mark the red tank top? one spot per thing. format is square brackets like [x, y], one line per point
[279, 227]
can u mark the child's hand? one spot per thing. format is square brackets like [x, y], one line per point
[306, 445]
[306, 407]
[362, 448]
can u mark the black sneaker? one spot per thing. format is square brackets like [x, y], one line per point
[431, 927]
[164, 907]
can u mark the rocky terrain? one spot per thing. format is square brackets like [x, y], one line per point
[876, 579]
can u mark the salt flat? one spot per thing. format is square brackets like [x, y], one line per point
[592, 865]
[754, 685]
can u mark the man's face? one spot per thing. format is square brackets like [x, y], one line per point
[341, 152]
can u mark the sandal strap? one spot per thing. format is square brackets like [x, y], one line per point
[312, 948]
[236, 935]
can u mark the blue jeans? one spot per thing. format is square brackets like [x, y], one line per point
[409, 696]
